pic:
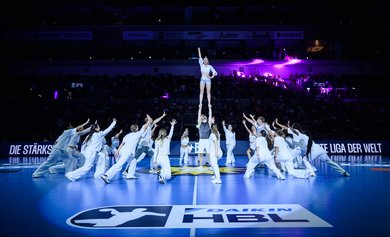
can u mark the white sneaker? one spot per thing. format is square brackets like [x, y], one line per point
[216, 181]
[69, 177]
[131, 177]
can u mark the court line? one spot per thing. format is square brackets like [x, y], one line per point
[192, 230]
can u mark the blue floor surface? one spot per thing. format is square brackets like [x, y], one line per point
[190, 205]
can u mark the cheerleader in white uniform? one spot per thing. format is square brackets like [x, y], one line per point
[205, 80]
[184, 147]
[92, 145]
[215, 152]
[162, 150]
[230, 136]
[126, 151]
[252, 140]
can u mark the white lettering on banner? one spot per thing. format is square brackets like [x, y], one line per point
[372, 147]
[337, 148]
[15, 149]
[32, 149]
[352, 148]
[197, 216]
[325, 146]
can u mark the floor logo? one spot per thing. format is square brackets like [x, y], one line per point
[197, 216]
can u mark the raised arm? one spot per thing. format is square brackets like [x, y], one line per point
[82, 125]
[224, 127]
[146, 125]
[199, 53]
[85, 131]
[280, 125]
[118, 134]
[173, 122]
[159, 118]
[112, 125]
[249, 119]
[185, 133]
[211, 117]
[199, 114]
[246, 127]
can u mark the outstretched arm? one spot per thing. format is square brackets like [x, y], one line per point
[146, 125]
[118, 134]
[199, 54]
[280, 125]
[246, 127]
[210, 116]
[249, 120]
[107, 130]
[173, 122]
[224, 126]
[199, 113]
[159, 118]
[82, 125]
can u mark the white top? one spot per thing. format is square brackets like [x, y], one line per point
[146, 136]
[262, 152]
[162, 147]
[63, 140]
[284, 153]
[252, 141]
[97, 139]
[230, 136]
[75, 139]
[130, 142]
[212, 139]
[206, 69]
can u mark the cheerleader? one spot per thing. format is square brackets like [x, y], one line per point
[205, 80]
[92, 145]
[126, 151]
[230, 136]
[184, 147]
[162, 150]
[215, 152]
[252, 140]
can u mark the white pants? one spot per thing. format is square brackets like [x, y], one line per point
[229, 154]
[214, 164]
[118, 166]
[286, 161]
[90, 157]
[184, 154]
[318, 152]
[267, 160]
[164, 163]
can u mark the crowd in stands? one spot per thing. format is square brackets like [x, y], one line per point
[38, 108]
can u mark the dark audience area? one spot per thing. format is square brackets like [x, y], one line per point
[38, 108]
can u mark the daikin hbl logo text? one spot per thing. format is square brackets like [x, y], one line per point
[196, 216]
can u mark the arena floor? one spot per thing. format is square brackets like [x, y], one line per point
[190, 205]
